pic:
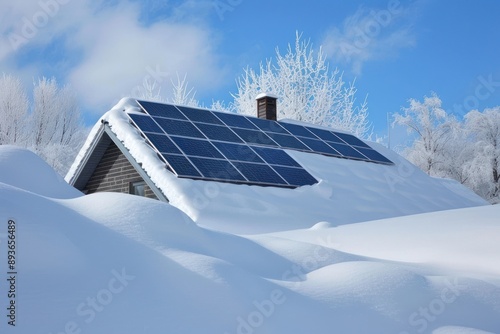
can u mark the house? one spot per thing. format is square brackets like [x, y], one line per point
[207, 163]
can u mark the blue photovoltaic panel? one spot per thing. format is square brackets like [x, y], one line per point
[319, 146]
[235, 120]
[181, 165]
[163, 144]
[238, 152]
[145, 123]
[254, 137]
[351, 140]
[275, 156]
[347, 151]
[298, 130]
[335, 138]
[259, 173]
[198, 115]
[178, 128]
[373, 155]
[217, 169]
[202, 144]
[287, 141]
[268, 125]
[163, 110]
[325, 135]
[295, 176]
[196, 147]
[216, 132]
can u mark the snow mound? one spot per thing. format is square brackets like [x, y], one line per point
[116, 263]
[23, 169]
[321, 225]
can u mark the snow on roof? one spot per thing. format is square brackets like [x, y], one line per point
[267, 94]
[347, 192]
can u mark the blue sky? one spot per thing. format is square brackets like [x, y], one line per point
[395, 50]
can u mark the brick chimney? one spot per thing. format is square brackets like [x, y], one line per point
[266, 106]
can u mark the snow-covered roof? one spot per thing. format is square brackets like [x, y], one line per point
[348, 191]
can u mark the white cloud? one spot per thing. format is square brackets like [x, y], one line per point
[36, 22]
[370, 35]
[119, 53]
[116, 50]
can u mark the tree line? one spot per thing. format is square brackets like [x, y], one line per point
[49, 123]
[465, 150]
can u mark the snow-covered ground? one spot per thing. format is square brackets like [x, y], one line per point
[115, 263]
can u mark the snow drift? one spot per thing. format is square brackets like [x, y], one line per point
[115, 263]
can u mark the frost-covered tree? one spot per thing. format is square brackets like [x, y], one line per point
[220, 106]
[50, 125]
[467, 151]
[56, 127]
[150, 90]
[457, 155]
[56, 115]
[484, 129]
[181, 92]
[307, 89]
[432, 127]
[14, 107]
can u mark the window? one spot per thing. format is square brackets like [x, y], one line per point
[137, 188]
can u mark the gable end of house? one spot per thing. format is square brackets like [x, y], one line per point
[108, 166]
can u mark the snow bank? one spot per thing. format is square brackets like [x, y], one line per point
[116, 263]
[24, 169]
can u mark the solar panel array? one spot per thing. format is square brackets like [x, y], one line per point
[204, 144]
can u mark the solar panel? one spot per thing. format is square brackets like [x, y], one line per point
[217, 132]
[254, 137]
[275, 156]
[145, 123]
[287, 141]
[181, 166]
[325, 135]
[295, 176]
[298, 130]
[178, 128]
[209, 145]
[238, 152]
[351, 140]
[347, 151]
[373, 155]
[237, 121]
[259, 173]
[216, 169]
[319, 146]
[198, 115]
[160, 109]
[197, 148]
[163, 144]
[268, 125]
